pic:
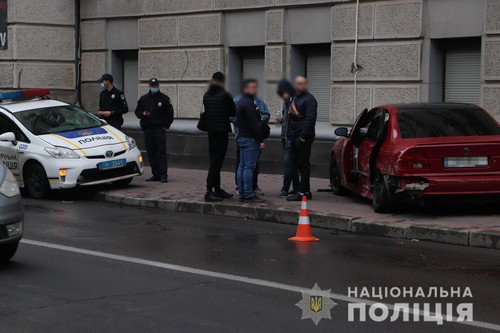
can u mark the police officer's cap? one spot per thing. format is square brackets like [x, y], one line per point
[106, 77]
[154, 82]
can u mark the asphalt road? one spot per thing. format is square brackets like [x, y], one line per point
[91, 266]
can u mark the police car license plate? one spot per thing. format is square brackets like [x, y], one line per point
[112, 164]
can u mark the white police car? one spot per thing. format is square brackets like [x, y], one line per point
[49, 144]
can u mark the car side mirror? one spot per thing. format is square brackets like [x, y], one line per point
[341, 131]
[8, 137]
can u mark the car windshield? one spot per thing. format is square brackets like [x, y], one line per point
[57, 119]
[445, 122]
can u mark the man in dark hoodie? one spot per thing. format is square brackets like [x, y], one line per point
[291, 171]
[219, 107]
[156, 114]
[303, 113]
[250, 140]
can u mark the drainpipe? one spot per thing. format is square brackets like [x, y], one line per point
[78, 54]
[355, 67]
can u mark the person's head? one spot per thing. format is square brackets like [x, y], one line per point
[106, 81]
[300, 84]
[154, 85]
[219, 79]
[250, 87]
[285, 89]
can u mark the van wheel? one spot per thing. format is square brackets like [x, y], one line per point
[337, 188]
[36, 181]
[382, 201]
[7, 251]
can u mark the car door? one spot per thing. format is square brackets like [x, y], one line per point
[10, 151]
[351, 149]
[368, 149]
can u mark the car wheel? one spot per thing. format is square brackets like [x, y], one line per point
[7, 251]
[123, 182]
[337, 188]
[36, 181]
[382, 198]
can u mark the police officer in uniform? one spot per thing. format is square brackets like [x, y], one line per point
[156, 113]
[112, 102]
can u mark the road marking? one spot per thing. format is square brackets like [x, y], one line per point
[231, 277]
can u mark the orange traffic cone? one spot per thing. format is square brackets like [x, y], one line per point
[304, 233]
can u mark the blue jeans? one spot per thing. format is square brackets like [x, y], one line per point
[249, 154]
[291, 174]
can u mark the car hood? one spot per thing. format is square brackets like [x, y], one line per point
[86, 138]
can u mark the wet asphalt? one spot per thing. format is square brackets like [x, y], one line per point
[54, 290]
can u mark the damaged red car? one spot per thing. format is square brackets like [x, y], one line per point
[417, 152]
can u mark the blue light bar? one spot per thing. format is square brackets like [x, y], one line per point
[21, 95]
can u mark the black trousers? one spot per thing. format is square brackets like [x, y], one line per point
[302, 155]
[217, 148]
[156, 146]
[255, 171]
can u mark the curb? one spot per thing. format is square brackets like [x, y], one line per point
[475, 238]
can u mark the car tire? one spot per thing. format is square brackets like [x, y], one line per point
[7, 251]
[337, 188]
[36, 182]
[382, 198]
[123, 182]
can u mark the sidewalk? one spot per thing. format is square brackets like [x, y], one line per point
[470, 225]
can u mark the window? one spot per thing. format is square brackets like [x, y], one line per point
[7, 125]
[444, 122]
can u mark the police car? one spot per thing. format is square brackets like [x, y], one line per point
[49, 144]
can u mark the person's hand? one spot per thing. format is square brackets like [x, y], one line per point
[262, 145]
[278, 121]
[104, 114]
[146, 113]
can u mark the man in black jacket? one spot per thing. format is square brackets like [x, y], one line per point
[219, 107]
[156, 113]
[301, 130]
[112, 102]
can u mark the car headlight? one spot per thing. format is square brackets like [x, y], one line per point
[131, 143]
[9, 186]
[61, 152]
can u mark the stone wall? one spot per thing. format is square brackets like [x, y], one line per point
[182, 42]
[41, 47]
[389, 51]
[491, 58]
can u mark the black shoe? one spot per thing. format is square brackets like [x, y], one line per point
[223, 194]
[284, 193]
[153, 179]
[242, 199]
[254, 199]
[212, 197]
[298, 196]
[164, 179]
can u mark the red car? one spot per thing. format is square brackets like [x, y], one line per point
[416, 152]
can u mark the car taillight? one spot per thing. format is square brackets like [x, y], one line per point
[413, 162]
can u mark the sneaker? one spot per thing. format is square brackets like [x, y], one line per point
[223, 194]
[164, 179]
[254, 199]
[298, 196]
[153, 179]
[212, 197]
[284, 194]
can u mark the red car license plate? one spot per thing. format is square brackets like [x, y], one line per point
[465, 162]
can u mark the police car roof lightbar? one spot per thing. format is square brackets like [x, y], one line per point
[21, 95]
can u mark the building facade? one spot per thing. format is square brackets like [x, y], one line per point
[405, 50]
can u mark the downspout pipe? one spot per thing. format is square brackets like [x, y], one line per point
[355, 67]
[78, 54]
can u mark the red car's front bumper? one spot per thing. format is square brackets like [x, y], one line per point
[439, 185]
